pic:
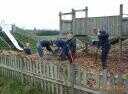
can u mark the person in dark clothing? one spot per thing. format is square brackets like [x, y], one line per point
[43, 44]
[62, 49]
[40, 50]
[105, 46]
[27, 49]
[67, 49]
[72, 47]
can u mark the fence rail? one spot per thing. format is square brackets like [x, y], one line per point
[39, 73]
[54, 76]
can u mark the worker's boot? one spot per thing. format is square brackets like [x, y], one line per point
[104, 66]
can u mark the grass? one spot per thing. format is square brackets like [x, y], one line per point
[8, 86]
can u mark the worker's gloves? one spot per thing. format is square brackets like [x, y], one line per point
[94, 43]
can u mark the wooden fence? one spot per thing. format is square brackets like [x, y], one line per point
[53, 76]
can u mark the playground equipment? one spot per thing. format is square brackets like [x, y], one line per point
[115, 25]
[8, 35]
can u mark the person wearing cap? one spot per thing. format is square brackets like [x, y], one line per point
[104, 45]
[27, 49]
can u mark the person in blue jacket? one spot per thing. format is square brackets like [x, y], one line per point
[67, 49]
[63, 48]
[105, 46]
[44, 44]
[72, 46]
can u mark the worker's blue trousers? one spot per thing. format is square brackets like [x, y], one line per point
[104, 55]
[40, 51]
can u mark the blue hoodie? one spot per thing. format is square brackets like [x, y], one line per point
[103, 40]
[63, 45]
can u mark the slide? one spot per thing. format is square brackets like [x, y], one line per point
[6, 30]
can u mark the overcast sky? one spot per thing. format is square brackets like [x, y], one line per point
[43, 14]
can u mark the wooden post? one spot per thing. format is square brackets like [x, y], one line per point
[120, 41]
[86, 19]
[73, 21]
[60, 23]
[13, 28]
[73, 76]
[86, 27]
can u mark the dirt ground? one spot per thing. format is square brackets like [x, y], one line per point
[117, 64]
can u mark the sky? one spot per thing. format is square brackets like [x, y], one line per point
[43, 14]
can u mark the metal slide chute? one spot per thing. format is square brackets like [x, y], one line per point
[6, 30]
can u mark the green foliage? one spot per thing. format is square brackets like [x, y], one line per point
[6, 40]
[47, 33]
[21, 36]
[3, 44]
[23, 39]
[25, 32]
[28, 36]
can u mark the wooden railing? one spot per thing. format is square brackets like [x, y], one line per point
[52, 75]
